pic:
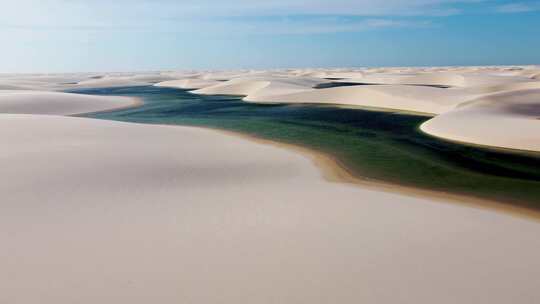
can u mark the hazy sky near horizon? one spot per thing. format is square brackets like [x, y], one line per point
[123, 35]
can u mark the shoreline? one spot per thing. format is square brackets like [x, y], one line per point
[332, 170]
[136, 102]
[482, 146]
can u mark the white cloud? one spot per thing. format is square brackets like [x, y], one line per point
[99, 9]
[210, 15]
[318, 25]
[518, 8]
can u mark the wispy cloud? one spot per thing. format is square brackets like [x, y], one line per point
[291, 25]
[236, 16]
[314, 25]
[55, 11]
[512, 8]
[215, 17]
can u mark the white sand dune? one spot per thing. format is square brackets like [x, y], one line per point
[326, 73]
[235, 87]
[56, 103]
[313, 74]
[38, 81]
[47, 82]
[207, 79]
[508, 120]
[152, 77]
[226, 75]
[109, 212]
[506, 87]
[444, 79]
[396, 97]
[450, 79]
[260, 87]
[190, 83]
[108, 81]
[6, 86]
[345, 75]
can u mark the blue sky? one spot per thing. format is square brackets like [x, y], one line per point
[128, 35]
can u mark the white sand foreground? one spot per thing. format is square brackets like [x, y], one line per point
[107, 212]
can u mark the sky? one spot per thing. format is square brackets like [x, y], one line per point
[137, 35]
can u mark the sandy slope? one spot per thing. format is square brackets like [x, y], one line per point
[38, 81]
[401, 97]
[47, 82]
[190, 83]
[506, 87]
[100, 211]
[121, 81]
[202, 80]
[56, 103]
[508, 120]
[258, 87]
[451, 79]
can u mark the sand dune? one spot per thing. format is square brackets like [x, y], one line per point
[444, 79]
[345, 75]
[235, 87]
[204, 80]
[47, 82]
[109, 81]
[13, 87]
[326, 73]
[37, 102]
[507, 87]
[152, 77]
[115, 212]
[449, 79]
[398, 97]
[508, 120]
[38, 81]
[261, 87]
[191, 83]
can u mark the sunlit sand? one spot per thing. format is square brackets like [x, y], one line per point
[98, 211]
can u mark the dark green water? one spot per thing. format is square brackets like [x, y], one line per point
[382, 146]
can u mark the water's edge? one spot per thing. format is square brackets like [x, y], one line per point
[378, 147]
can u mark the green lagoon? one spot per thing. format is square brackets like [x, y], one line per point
[381, 146]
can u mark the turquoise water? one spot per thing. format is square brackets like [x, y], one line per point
[382, 146]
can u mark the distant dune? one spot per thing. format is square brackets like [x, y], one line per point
[262, 87]
[434, 91]
[187, 83]
[402, 97]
